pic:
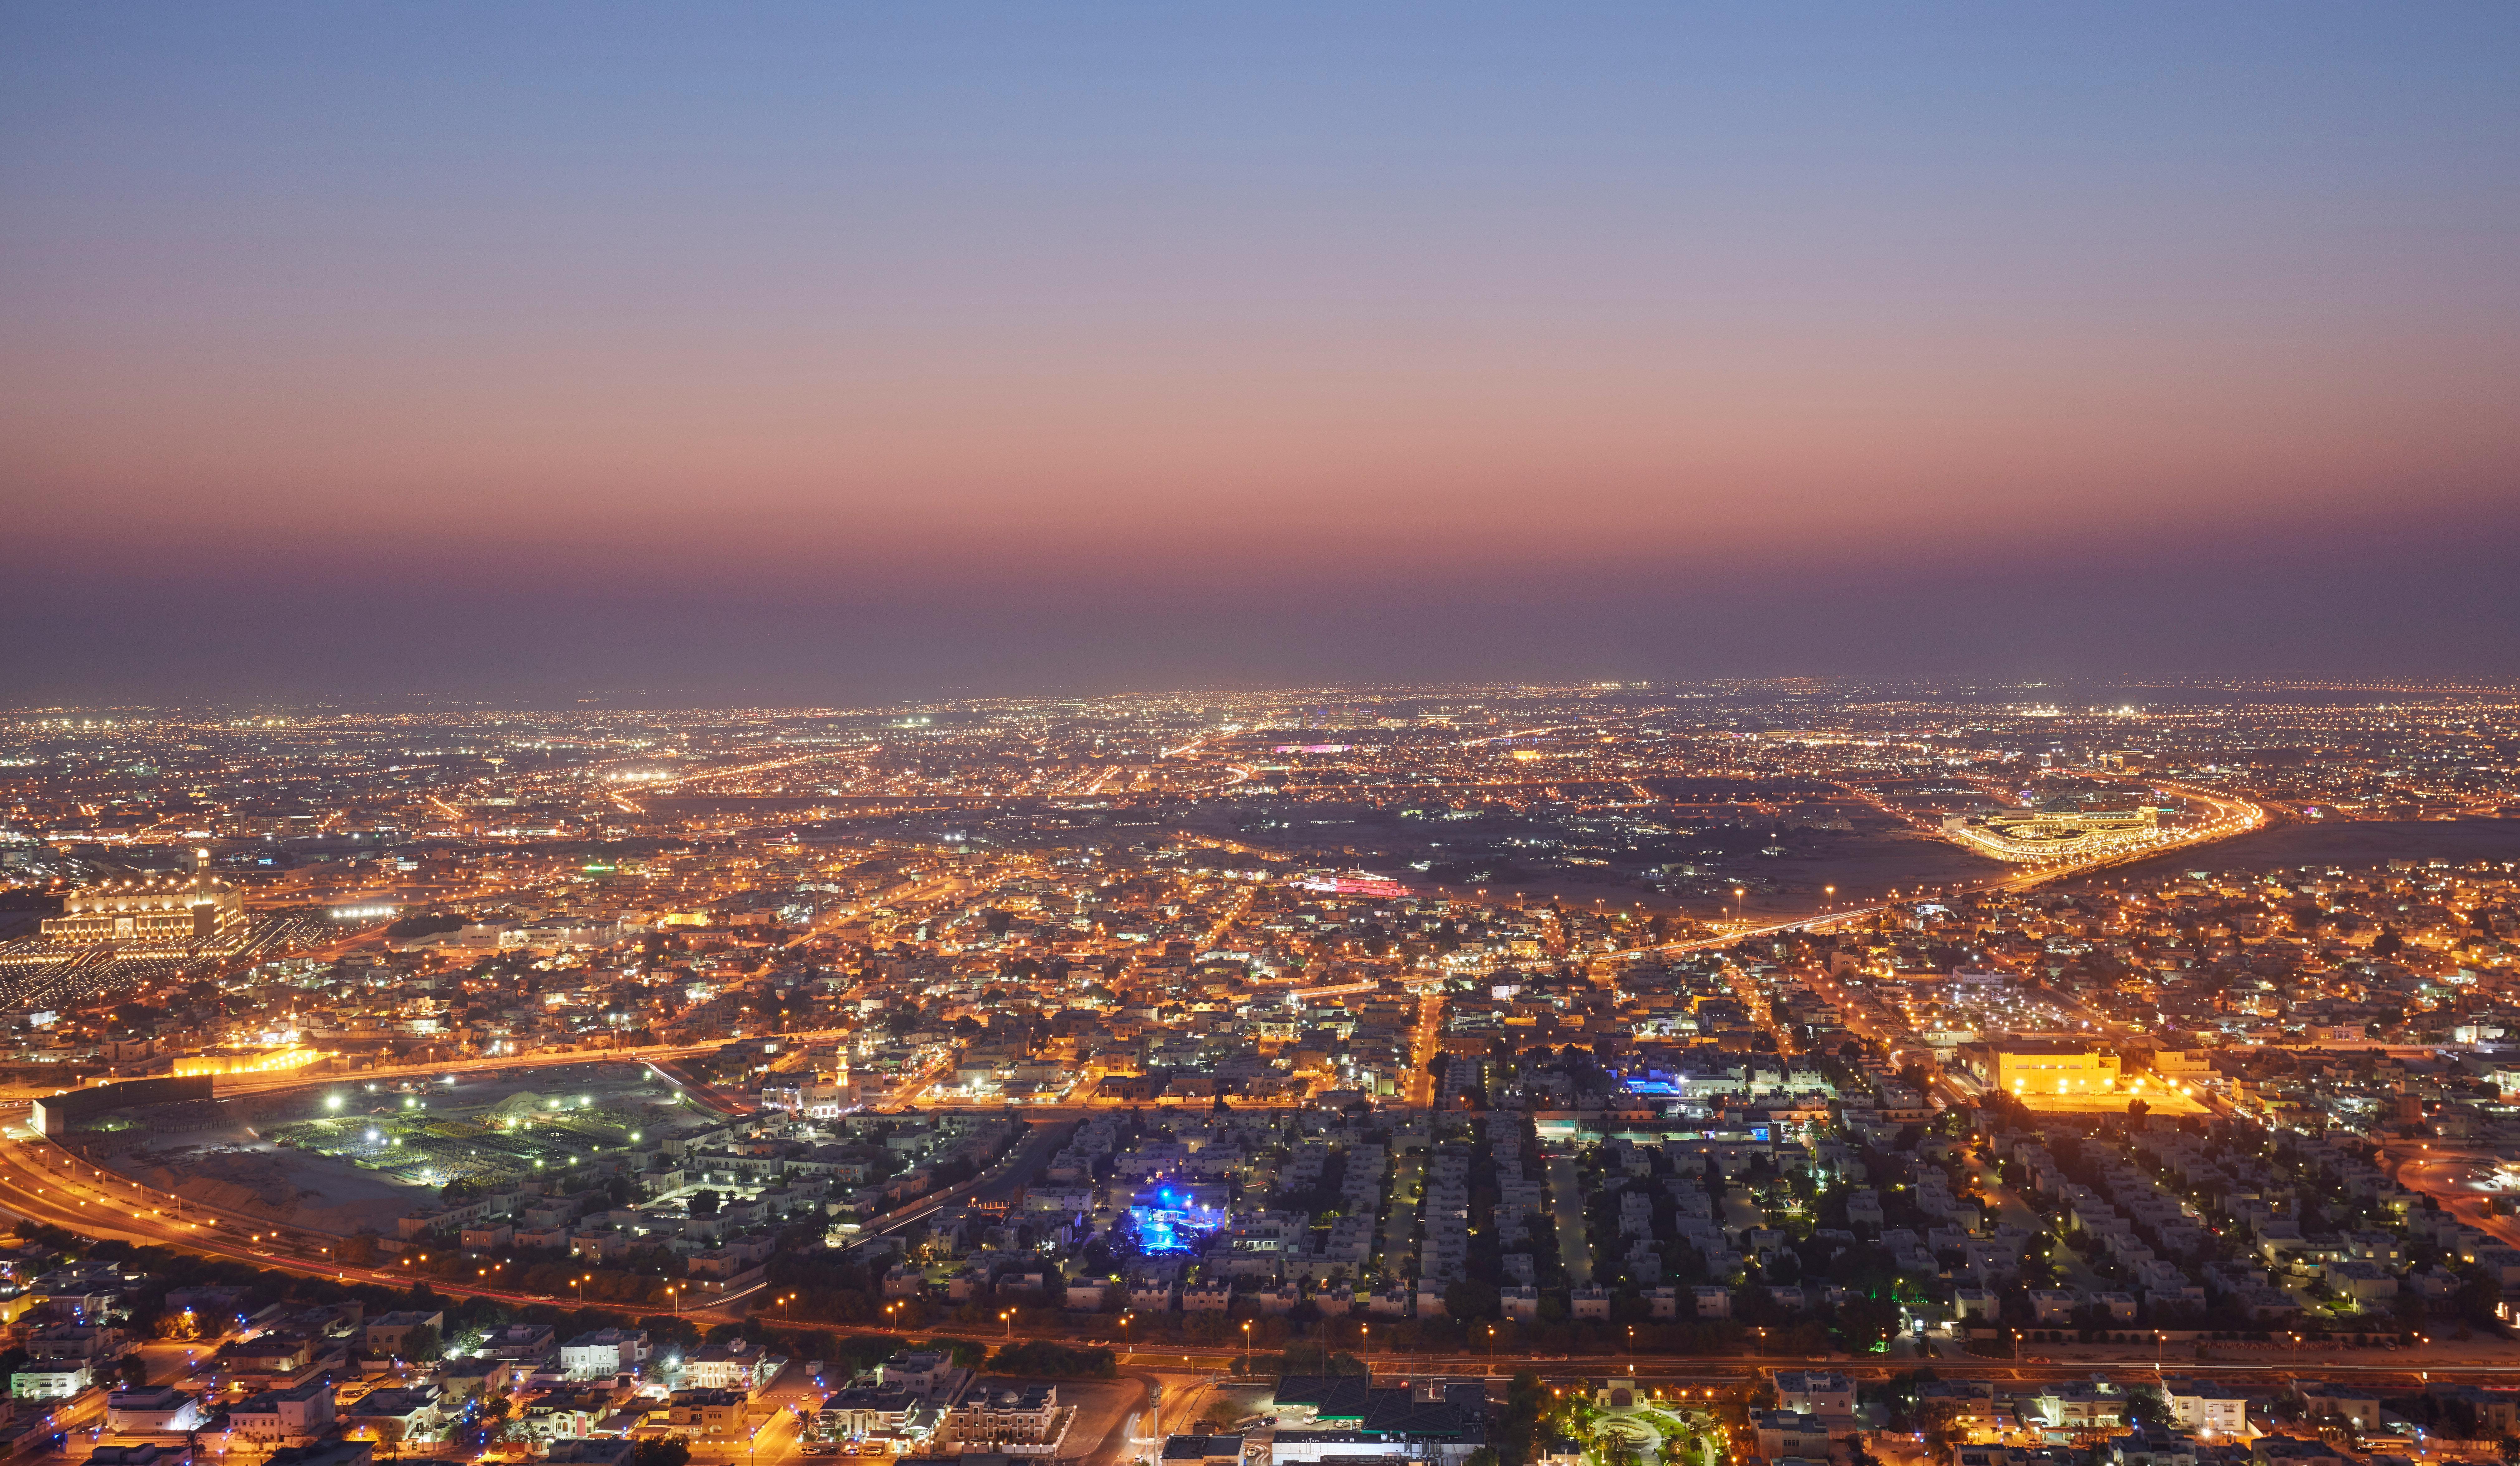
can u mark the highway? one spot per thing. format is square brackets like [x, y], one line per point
[2231, 816]
[227, 1087]
[41, 1183]
[2447, 1174]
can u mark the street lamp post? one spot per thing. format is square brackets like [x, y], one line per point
[1007, 1317]
[1492, 1350]
[1246, 1345]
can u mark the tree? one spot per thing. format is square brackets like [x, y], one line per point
[2388, 944]
[423, 1344]
[1865, 1324]
[704, 1203]
[2145, 1404]
[1470, 1299]
[387, 1432]
[1938, 1421]
[662, 1452]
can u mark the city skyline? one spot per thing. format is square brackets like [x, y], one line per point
[826, 355]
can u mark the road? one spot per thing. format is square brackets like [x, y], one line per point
[1566, 1214]
[2448, 1173]
[40, 1183]
[1421, 1049]
[2231, 816]
[227, 1087]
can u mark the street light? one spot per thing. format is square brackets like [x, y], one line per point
[1008, 1317]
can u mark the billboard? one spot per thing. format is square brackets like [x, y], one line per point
[55, 1113]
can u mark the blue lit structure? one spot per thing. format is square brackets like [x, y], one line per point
[1168, 1221]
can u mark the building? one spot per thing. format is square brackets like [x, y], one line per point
[930, 1374]
[294, 1416]
[2031, 1066]
[1325, 1417]
[2352, 1405]
[2293, 1451]
[2206, 1408]
[523, 1343]
[172, 915]
[50, 1379]
[154, 1409]
[603, 1352]
[1790, 1432]
[719, 1414]
[864, 1411]
[1010, 1418]
[463, 1379]
[1829, 1396]
[399, 1414]
[2054, 831]
[56, 1113]
[391, 1333]
[727, 1366]
[2073, 1406]
[1203, 1450]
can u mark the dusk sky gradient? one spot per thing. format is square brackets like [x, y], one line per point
[832, 353]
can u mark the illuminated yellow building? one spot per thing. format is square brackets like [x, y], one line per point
[2054, 831]
[2030, 1068]
[246, 1061]
[180, 914]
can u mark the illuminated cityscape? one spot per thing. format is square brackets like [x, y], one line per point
[1229, 735]
[1958, 1029]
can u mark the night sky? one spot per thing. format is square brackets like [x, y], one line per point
[831, 353]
